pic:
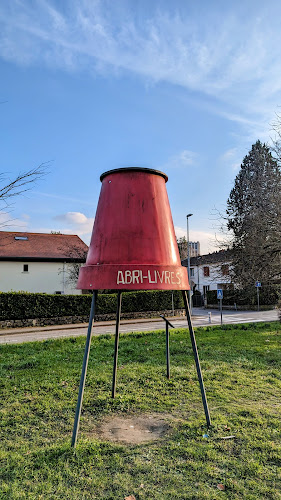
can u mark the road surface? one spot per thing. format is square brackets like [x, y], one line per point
[201, 317]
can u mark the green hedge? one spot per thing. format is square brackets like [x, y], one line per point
[23, 305]
[246, 297]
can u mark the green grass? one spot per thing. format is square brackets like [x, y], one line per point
[241, 369]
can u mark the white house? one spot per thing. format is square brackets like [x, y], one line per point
[210, 272]
[39, 262]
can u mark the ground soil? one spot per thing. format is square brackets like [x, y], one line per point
[133, 429]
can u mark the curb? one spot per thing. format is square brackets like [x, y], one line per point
[50, 328]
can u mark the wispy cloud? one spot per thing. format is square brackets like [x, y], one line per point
[65, 198]
[231, 158]
[233, 55]
[183, 159]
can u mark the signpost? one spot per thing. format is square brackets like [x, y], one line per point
[220, 297]
[167, 343]
[258, 286]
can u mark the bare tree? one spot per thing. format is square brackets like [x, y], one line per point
[9, 188]
[182, 246]
[77, 255]
[276, 140]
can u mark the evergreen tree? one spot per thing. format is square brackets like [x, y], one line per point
[254, 217]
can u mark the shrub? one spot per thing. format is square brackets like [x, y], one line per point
[23, 305]
[246, 297]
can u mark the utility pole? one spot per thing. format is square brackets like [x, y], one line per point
[188, 261]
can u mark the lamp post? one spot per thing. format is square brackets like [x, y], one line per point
[188, 260]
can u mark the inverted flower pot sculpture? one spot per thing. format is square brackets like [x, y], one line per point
[133, 247]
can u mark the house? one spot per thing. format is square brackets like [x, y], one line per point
[39, 262]
[210, 272]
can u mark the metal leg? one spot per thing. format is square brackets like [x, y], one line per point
[167, 351]
[84, 371]
[196, 357]
[118, 313]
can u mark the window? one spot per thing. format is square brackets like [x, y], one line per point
[225, 269]
[206, 288]
[21, 238]
[25, 268]
[192, 272]
[206, 271]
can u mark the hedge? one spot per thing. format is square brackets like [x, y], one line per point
[246, 297]
[23, 305]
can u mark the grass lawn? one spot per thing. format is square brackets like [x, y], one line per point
[241, 369]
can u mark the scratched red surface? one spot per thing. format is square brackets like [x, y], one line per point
[133, 244]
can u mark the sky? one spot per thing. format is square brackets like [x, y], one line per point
[184, 87]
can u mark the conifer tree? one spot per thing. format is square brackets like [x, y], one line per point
[254, 217]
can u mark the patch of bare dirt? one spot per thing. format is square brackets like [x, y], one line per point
[133, 430]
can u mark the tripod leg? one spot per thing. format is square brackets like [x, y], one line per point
[118, 313]
[167, 351]
[84, 371]
[196, 357]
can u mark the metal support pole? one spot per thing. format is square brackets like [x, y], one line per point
[118, 314]
[258, 294]
[221, 309]
[167, 343]
[167, 351]
[196, 357]
[84, 371]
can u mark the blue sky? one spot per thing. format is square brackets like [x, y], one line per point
[185, 87]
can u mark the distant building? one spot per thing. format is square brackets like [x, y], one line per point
[39, 262]
[210, 272]
[194, 248]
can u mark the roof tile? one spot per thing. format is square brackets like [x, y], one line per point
[41, 246]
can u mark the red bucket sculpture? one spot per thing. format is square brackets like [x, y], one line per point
[133, 247]
[133, 244]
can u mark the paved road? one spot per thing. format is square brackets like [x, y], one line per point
[200, 318]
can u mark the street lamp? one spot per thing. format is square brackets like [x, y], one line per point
[188, 260]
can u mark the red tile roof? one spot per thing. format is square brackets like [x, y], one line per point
[41, 246]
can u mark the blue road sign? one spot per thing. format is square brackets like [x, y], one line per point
[258, 284]
[219, 293]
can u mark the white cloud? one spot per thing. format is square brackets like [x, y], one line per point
[207, 240]
[68, 223]
[72, 218]
[26, 217]
[7, 223]
[76, 223]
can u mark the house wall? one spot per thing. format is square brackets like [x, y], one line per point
[214, 281]
[42, 277]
